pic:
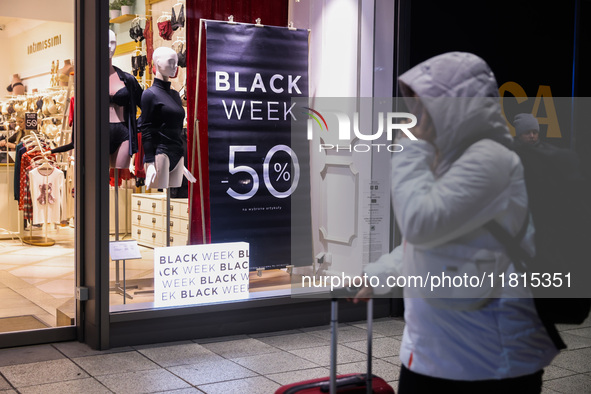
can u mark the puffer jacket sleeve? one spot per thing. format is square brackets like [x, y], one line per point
[388, 265]
[431, 211]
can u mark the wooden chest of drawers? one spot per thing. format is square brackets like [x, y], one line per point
[148, 220]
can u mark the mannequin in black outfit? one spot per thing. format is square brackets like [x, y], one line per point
[161, 124]
[124, 96]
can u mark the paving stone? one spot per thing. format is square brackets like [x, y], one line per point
[295, 341]
[346, 333]
[179, 354]
[32, 374]
[77, 349]
[575, 360]
[114, 363]
[575, 384]
[321, 355]
[265, 364]
[381, 347]
[86, 386]
[143, 382]
[240, 348]
[28, 354]
[211, 372]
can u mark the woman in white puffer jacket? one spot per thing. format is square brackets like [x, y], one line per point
[445, 187]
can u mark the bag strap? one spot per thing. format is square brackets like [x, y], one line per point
[518, 256]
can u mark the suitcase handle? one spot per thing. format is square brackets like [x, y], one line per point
[334, 325]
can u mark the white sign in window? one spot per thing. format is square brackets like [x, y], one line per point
[200, 274]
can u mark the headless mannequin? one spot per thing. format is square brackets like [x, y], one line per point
[159, 175]
[120, 158]
[64, 73]
[17, 85]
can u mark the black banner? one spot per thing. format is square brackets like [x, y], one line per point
[256, 170]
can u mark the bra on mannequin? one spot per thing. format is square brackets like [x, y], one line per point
[120, 98]
[13, 85]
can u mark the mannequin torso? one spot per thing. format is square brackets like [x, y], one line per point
[17, 85]
[116, 112]
[124, 95]
[64, 73]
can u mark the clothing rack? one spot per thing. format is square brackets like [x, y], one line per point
[37, 240]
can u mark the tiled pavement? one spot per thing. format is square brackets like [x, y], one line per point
[242, 364]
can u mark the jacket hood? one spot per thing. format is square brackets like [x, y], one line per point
[460, 92]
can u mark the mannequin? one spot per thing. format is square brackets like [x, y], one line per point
[63, 74]
[16, 86]
[162, 125]
[124, 96]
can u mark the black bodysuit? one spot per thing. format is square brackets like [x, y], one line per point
[118, 132]
[161, 123]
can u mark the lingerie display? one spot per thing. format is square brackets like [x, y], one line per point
[178, 22]
[118, 133]
[148, 35]
[165, 30]
[11, 87]
[138, 65]
[136, 32]
[129, 97]
[161, 123]
[182, 56]
[121, 97]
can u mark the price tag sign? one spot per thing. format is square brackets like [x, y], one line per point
[30, 121]
[124, 250]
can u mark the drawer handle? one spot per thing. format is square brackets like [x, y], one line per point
[139, 231]
[139, 202]
[153, 235]
[154, 220]
[154, 205]
[139, 218]
[171, 239]
[171, 208]
[171, 224]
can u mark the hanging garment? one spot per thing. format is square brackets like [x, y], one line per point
[149, 36]
[136, 32]
[165, 30]
[177, 23]
[182, 56]
[46, 194]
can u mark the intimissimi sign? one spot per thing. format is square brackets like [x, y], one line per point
[45, 44]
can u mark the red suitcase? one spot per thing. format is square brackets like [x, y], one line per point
[351, 383]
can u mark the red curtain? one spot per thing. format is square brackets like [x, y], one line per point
[271, 12]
